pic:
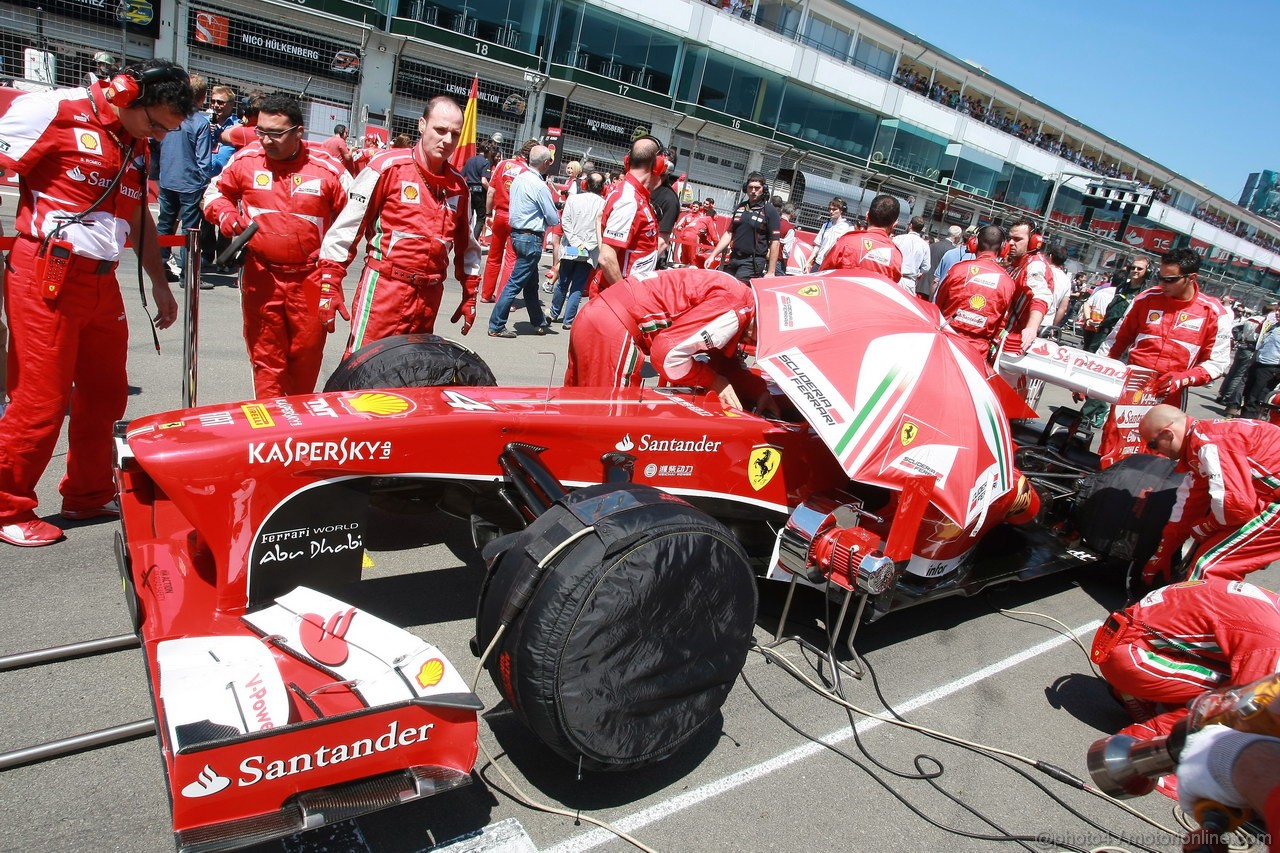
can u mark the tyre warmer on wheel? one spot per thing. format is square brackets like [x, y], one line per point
[634, 633]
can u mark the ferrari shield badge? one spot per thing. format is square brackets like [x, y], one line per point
[763, 464]
[809, 290]
[909, 433]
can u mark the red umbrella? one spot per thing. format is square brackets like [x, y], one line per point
[887, 387]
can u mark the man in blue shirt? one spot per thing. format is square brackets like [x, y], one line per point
[951, 257]
[532, 212]
[186, 164]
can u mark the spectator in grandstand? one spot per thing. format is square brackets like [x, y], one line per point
[872, 250]
[413, 210]
[753, 239]
[832, 230]
[338, 148]
[186, 165]
[305, 189]
[915, 254]
[629, 237]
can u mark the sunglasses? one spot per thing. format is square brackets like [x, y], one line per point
[275, 134]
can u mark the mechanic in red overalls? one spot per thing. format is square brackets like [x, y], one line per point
[628, 223]
[81, 158]
[872, 250]
[976, 295]
[1181, 640]
[293, 190]
[671, 316]
[699, 235]
[413, 209]
[1030, 269]
[1175, 329]
[501, 258]
[1230, 503]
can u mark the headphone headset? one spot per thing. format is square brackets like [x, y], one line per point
[661, 163]
[971, 246]
[756, 176]
[127, 86]
[1035, 242]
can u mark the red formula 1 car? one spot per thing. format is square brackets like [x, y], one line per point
[898, 476]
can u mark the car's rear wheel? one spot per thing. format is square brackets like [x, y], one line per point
[409, 361]
[1123, 509]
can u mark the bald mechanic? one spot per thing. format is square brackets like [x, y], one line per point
[1230, 502]
[413, 209]
[677, 318]
[629, 224]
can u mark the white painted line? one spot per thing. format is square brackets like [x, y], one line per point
[658, 811]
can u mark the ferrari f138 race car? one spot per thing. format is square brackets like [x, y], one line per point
[905, 472]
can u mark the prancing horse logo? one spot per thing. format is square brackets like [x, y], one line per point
[763, 464]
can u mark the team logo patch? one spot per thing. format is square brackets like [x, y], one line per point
[76, 175]
[763, 464]
[410, 193]
[431, 673]
[975, 269]
[1154, 316]
[380, 404]
[977, 302]
[258, 416]
[809, 290]
[262, 180]
[868, 245]
[1189, 321]
[304, 187]
[89, 142]
[908, 433]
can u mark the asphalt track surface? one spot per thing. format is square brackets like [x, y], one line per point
[747, 783]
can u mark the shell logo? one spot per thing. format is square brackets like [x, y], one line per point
[1154, 316]
[411, 192]
[262, 180]
[90, 141]
[379, 404]
[809, 290]
[977, 302]
[431, 673]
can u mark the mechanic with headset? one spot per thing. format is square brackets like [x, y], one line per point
[1230, 502]
[81, 157]
[293, 190]
[872, 250]
[1175, 329]
[629, 225]
[1030, 269]
[413, 209]
[831, 231]
[689, 322]
[976, 295]
[754, 236]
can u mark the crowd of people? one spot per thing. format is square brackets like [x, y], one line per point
[635, 277]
